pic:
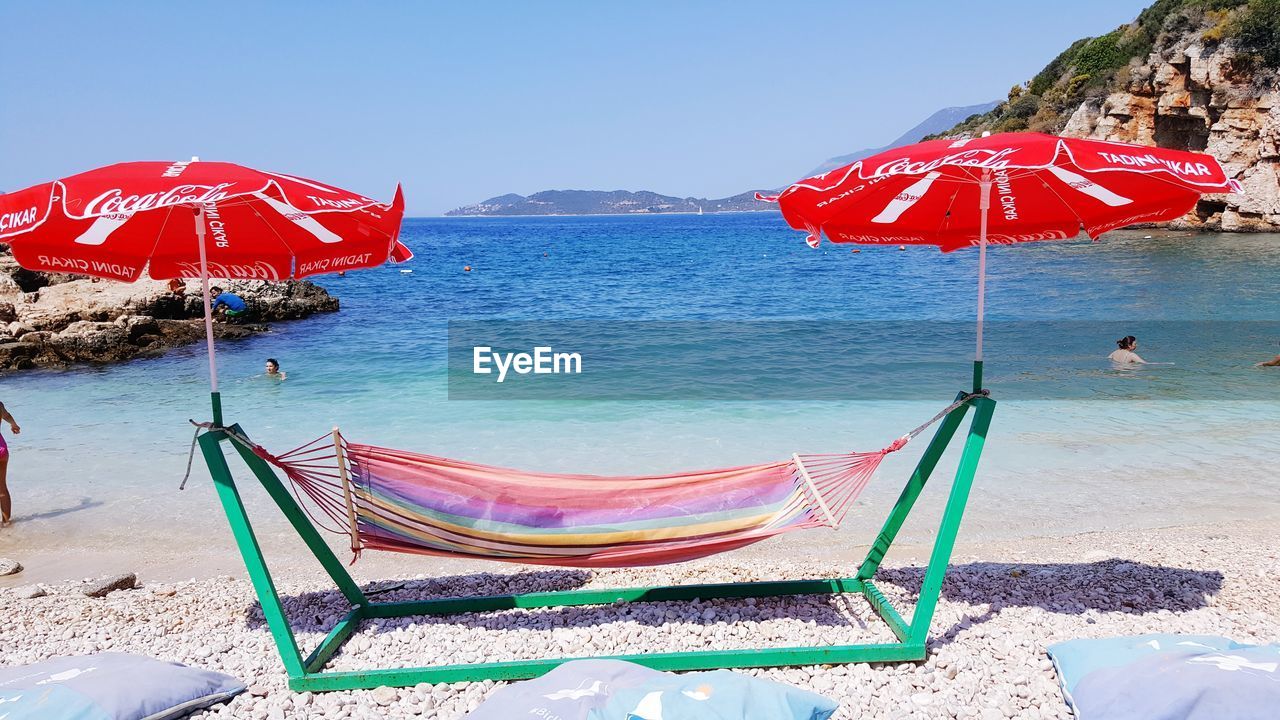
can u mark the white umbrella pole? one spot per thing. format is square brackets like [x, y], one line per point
[208, 316]
[984, 204]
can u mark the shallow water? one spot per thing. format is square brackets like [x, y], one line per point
[1076, 445]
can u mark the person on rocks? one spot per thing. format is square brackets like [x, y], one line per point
[273, 370]
[177, 287]
[6, 503]
[234, 305]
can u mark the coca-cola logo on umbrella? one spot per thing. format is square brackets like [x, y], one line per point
[235, 271]
[977, 158]
[115, 201]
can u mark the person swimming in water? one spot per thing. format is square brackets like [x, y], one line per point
[1124, 353]
[273, 370]
[6, 504]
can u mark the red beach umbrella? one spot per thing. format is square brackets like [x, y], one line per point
[116, 221]
[1004, 188]
[195, 219]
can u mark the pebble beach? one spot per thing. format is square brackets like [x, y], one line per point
[1002, 605]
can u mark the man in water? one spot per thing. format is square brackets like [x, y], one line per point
[1274, 362]
[234, 304]
[273, 370]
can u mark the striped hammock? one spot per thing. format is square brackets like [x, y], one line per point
[408, 502]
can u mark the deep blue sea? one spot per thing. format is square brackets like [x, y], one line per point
[1076, 445]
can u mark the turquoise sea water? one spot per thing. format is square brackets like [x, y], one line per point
[1076, 444]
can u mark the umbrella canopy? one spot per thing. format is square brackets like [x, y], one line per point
[116, 221]
[1040, 187]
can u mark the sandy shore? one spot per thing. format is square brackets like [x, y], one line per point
[1002, 605]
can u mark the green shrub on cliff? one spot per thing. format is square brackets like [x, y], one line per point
[1101, 55]
[1258, 29]
[1051, 72]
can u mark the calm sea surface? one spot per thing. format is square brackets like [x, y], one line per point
[1076, 445]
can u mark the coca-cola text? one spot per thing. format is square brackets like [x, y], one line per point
[115, 201]
[991, 159]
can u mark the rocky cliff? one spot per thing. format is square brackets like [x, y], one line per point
[1195, 75]
[49, 320]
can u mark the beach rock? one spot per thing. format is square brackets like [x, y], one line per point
[18, 355]
[385, 695]
[103, 585]
[9, 567]
[30, 592]
[90, 341]
[8, 313]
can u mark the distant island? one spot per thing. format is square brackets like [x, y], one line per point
[624, 202]
[608, 202]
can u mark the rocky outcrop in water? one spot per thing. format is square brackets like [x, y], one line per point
[51, 320]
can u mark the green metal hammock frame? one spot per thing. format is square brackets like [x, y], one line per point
[307, 673]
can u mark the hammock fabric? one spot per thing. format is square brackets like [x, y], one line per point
[408, 502]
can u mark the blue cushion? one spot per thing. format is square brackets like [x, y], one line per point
[1168, 677]
[109, 686]
[617, 690]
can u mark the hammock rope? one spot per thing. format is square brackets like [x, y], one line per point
[394, 500]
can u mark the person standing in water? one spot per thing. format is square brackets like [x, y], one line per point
[6, 504]
[1124, 353]
[273, 370]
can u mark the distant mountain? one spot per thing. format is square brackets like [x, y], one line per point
[944, 119]
[604, 202]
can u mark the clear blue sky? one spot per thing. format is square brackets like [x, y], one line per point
[461, 101]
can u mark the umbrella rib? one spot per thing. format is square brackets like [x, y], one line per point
[1062, 200]
[937, 234]
[293, 254]
[155, 243]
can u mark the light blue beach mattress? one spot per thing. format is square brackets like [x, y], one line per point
[109, 686]
[617, 690]
[1169, 677]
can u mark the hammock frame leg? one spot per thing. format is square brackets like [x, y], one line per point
[307, 674]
